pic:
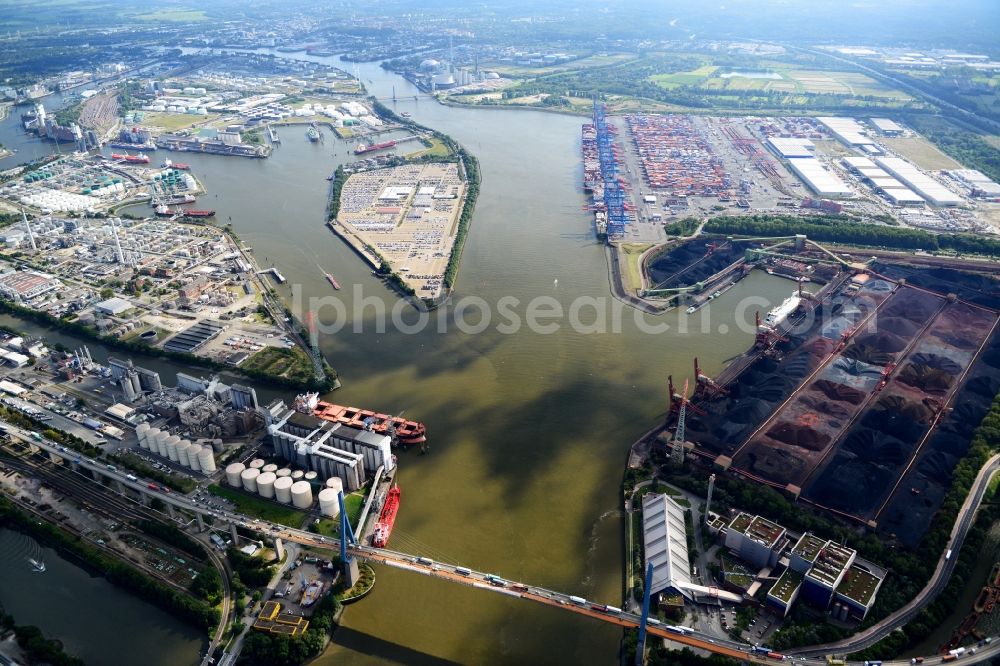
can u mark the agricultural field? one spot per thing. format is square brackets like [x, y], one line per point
[177, 15]
[810, 82]
[524, 71]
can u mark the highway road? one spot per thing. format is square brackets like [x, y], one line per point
[814, 656]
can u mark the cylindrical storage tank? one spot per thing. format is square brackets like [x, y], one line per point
[172, 443]
[310, 476]
[283, 472]
[141, 431]
[249, 479]
[335, 483]
[297, 474]
[182, 452]
[206, 460]
[270, 467]
[328, 504]
[256, 463]
[161, 443]
[233, 472]
[193, 454]
[302, 495]
[283, 489]
[217, 445]
[265, 484]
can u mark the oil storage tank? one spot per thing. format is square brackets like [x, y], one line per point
[270, 467]
[297, 475]
[249, 479]
[283, 489]
[233, 472]
[336, 483]
[328, 504]
[256, 463]
[206, 460]
[265, 484]
[302, 495]
[283, 472]
[310, 476]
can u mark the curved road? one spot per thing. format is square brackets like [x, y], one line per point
[484, 581]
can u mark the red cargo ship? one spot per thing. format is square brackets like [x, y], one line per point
[198, 213]
[131, 159]
[362, 149]
[406, 432]
[333, 281]
[383, 528]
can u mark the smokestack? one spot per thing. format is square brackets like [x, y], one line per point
[118, 243]
[31, 235]
[708, 500]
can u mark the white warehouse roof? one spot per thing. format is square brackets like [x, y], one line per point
[665, 540]
[902, 195]
[848, 130]
[935, 193]
[886, 125]
[858, 163]
[820, 180]
[791, 147]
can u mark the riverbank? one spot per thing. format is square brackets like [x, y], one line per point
[135, 347]
[34, 647]
[177, 604]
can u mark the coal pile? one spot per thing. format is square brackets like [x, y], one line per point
[687, 264]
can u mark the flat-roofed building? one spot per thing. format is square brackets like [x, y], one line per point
[790, 146]
[858, 588]
[665, 540]
[315, 444]
[902, 196]
[847, 130]
[826, 574]
[886, 126]
[934, 192]
[756, 540]
[818, 178]
[785, 591]
[23, 286]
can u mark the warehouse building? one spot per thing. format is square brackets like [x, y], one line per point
[24, 286]
[979, 184]
[934, 192]
[665, 540]
[902, 196]
[887, 127]
[848, 131]
[790, 147]
[818, 178]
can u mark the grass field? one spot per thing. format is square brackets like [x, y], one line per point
[354, 503]
[172, 122]
[523, 71]
[810, 82]
[691, 78]
[281, 362]
[922, 153]
[259, 507]
[437, 149]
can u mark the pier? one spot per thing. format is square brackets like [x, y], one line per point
[274, 273]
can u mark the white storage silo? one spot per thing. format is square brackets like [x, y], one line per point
[283, 489]
[172, 443]
[297, 475]
[270, 467]
[328, 504]
[161, 443]
[233, 471]
[206, 460]
[302, 495]
[140, 433]
[217, 445]
[249, 479]
[265, 484]
[335, 483]
[182, 452]
[310, 476]
[193, 454]
[283, 472]
[256, 463]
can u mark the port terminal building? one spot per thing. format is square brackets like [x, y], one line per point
[665, 542]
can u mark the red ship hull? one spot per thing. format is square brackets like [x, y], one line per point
[361, 150]
[333, 282]
[198, 213]
[407, 432]
[386, 519]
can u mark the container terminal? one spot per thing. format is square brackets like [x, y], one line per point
[857, 399]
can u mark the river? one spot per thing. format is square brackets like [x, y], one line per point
[528, 430]
[95, 620]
